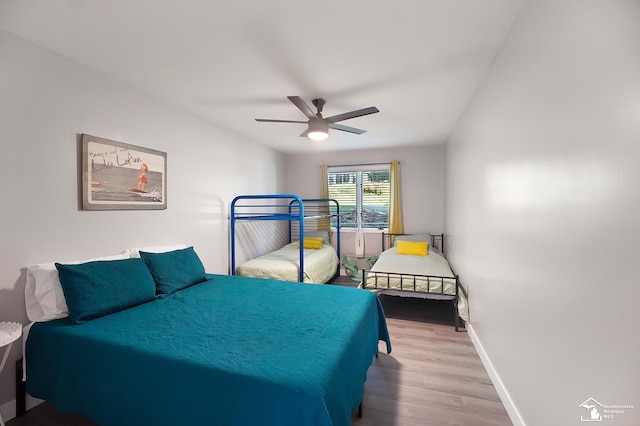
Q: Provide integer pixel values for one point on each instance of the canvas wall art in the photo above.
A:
(121, 176)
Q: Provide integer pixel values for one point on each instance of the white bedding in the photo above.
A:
(320, 265)
(434, 264)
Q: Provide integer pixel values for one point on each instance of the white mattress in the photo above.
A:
(403, 265)
(320, 265)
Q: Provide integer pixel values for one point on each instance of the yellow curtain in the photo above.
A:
(324, 224)
(395, 204)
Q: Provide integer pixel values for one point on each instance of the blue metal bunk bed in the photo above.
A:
(296, 211)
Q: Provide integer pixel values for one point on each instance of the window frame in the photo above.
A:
(359, 169)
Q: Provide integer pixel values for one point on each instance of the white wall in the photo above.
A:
(421, 176)
(45, 102)
(542, 206)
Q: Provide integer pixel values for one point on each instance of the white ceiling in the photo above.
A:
(231, 61)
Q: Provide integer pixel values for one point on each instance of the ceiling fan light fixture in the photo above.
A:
(318, 126)
(318, 130)
(318, 135)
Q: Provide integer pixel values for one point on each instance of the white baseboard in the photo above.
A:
(8, 410)
(503, 393)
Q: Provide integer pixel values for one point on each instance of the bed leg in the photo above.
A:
(455, 313)
(21, 390)
(360, 410)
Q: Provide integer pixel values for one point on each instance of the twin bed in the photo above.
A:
(320, 264)
(185, 347)
(411, 274)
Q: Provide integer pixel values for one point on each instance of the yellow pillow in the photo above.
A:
(419, 248)
(312, 243)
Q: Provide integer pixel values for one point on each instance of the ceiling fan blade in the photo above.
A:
(268, 120)
(305, 133)
(346, 129)
(352, 114)
(302, 106)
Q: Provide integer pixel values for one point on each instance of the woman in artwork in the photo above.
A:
(142, 177)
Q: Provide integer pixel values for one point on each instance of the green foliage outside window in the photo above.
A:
(363, 196)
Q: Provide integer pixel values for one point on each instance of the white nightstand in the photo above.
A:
(9, 333)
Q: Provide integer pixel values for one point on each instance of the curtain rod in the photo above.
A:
(361, 164)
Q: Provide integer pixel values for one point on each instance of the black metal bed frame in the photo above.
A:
(412, 279)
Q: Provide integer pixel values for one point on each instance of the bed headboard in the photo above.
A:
(435, 240)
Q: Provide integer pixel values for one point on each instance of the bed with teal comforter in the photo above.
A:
(227, 351)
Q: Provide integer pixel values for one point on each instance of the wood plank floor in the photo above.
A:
(433, 376)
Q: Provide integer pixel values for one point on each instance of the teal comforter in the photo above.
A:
(229, 351)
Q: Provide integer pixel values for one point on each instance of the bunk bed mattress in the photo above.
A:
(405, 266)
(231, 350)
(320, 265)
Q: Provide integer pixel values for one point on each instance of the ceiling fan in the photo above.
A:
(318, 126)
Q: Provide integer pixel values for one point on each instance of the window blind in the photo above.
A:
(363, 194)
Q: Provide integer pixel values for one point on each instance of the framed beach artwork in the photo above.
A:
(120, 176)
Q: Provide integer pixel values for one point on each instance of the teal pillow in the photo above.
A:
(174, 270)
(99, 288)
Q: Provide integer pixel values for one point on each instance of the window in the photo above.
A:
(363, 193)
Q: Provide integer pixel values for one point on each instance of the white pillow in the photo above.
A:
(135, 252)
(43, 294)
